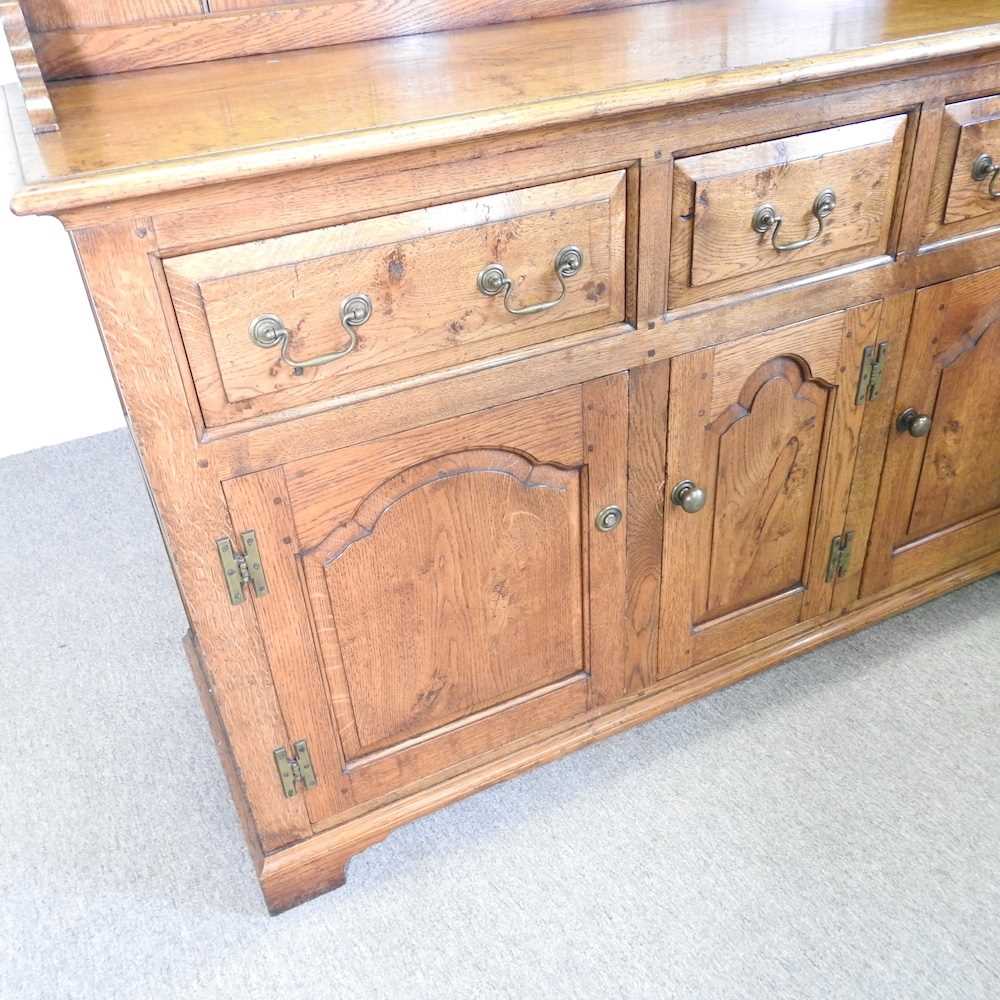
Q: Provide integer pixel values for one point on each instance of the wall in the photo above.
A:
(56, 386)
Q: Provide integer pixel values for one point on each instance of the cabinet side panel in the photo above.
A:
(116, 261)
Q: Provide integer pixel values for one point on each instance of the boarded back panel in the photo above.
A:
(54, 15)
(111, 42)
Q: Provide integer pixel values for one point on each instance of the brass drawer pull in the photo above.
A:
(268, 331)
(493, 280)
(985, 167)
(766, 218)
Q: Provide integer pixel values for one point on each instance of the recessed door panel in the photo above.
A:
(960, 473)
(769, 448)
(438, 585)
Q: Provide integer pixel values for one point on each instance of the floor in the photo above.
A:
(829, 829)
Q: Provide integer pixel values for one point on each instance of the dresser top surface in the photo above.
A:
(172, 128)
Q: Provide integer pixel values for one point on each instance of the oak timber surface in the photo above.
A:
(178, 127)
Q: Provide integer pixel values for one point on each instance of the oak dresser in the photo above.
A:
(507, 374)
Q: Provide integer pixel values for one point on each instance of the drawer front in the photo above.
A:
(756, 215)
(973, 191)
(293, 319)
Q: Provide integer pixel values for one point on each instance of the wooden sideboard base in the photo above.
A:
(427, 380)
(308, 869)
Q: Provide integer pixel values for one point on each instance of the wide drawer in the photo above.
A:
(756, 215)
(289, 320)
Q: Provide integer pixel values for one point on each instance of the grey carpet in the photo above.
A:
(829, 829)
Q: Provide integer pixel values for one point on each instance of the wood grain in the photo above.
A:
(961, 471)
(957, 205)
(861, 326)
(605, 440)
(893, 324)
(770, 443)
(685, 538)
(545, 426)
(439, 583)
(223, 748)
(320, 427)
(264, 205)
(654, 236)
(649, 389)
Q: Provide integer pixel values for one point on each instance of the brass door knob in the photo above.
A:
(915, 424)
(609, 518)
(689, 497)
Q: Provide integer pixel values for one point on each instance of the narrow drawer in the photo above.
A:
(974, 184)
(756, 215)
(284, 321)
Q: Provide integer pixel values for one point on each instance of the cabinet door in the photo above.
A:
(939, 500)
(442, 592)
(767, 429)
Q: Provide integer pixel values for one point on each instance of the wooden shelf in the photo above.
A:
(179, 127)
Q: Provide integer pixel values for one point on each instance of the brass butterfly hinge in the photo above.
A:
(295, 771)
(242, 569)
(870, 377)
(840, 556)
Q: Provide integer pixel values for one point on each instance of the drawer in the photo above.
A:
(756, 215)
(293, 319)
(966, 189)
